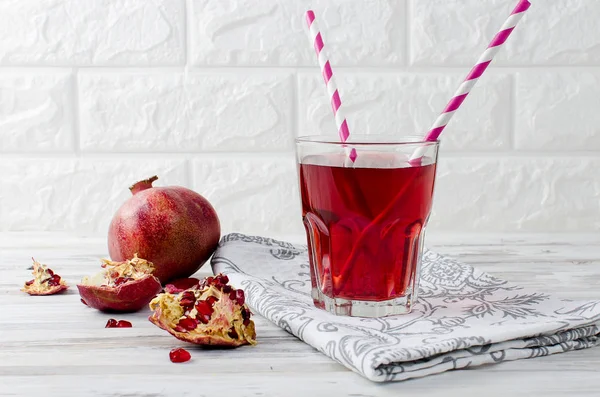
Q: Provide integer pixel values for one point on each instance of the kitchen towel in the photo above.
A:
(463, 317)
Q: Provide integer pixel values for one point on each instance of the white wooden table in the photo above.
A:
(55, 346)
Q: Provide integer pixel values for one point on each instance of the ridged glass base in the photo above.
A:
(355, 308)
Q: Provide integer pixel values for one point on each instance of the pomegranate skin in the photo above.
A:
(173, 227)
(126, 298)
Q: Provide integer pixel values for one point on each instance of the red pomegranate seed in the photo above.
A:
(179, 355)
(54, 280)
(123, 324)
(187, 303)
(187, 300)
(233, 333)
(204, 307)
(84, 302)
(210, 280)
(223, 279)
(50, 272)
(188, 295)
(111, 323)
(122, 280)
(211, 300)
(204, 319)
(187, 324)
(246, 315)
(239, 297)
(29, 282)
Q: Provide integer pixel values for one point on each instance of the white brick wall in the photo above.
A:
(209, 94)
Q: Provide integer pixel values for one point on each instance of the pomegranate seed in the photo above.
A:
(226, 289)
(54, 280)
(84, 302)
(50, 272)
(233, 333)
(187, 324)
(204, 307)
(122, 280)
(188, 295)
(210, 280)
(204, 318)
(187, 300)
(29, 282)
(111, 323)
(223, 279)
(211, 300)
(232, 295)
(246, 315)
(239, 297)
(179, 355)
(123, 324)
(187, 303)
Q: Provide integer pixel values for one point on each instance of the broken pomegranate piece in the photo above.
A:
(179, 355)
(44, 282)
(121, 287)
(210, 313)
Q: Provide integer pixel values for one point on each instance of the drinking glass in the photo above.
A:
(365, 208)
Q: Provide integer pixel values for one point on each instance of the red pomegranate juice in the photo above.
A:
(364, 227)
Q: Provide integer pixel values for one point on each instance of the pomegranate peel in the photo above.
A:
(205, 315)
(125, 286)
(181, 284)
(44, 282)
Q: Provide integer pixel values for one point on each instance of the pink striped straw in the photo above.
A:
(329, 78)
(475, 73)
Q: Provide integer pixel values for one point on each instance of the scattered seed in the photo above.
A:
(179, 355)
(123, 324)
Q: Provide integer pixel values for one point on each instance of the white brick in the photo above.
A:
(175, 112)
(557, 32)
(71, 195)
(558, 110)
(250, 32)
(36, 111)
(96, 32)
(543, 195)
(252, 195)
(408, 104)
(449, 32)
(455, 32)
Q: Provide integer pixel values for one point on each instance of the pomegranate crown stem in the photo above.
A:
(142, 185)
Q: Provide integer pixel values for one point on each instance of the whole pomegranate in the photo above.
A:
(173, 227)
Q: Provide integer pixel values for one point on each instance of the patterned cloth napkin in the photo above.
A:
(463, 317)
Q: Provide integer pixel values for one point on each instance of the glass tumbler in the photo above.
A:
(365, 207)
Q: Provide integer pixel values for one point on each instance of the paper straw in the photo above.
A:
(329, 78)
(474, 75)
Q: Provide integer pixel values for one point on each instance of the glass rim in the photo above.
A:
(367, 140)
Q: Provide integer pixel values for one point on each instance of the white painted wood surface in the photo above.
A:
(55, 346)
